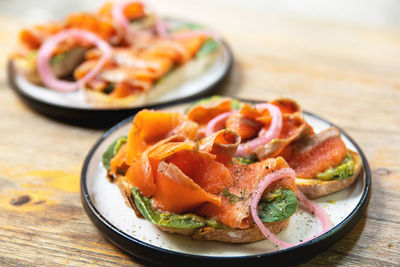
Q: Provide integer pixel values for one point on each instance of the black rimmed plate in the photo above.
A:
(199, 77)
(107, 209)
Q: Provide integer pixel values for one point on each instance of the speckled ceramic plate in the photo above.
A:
(106, 208)
(196, 78)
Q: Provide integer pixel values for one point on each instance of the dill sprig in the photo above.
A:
(197, 145)
(232, 198)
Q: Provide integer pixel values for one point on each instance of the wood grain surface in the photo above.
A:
(347, 72)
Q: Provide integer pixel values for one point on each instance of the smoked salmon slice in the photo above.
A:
(141, 174)
(245, 179)
(223, 144)
(177, 193)
(316, 153)
(248, 121)
(149, 127)
(204, 112)
(168, 170)
(177, 166)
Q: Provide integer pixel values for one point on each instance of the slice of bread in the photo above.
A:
(315, 188)
(252, 234)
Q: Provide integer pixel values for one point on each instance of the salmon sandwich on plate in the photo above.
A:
(227, 170)
(121, 55)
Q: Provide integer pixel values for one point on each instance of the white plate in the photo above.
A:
(109, 203)
(197, 77)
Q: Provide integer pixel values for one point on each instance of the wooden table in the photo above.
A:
(346, 72)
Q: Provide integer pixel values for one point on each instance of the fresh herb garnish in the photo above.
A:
(232, 198)
(252, 158)
(197, 146)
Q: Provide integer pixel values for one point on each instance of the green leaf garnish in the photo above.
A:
(280, 205)
(232, 198)
(209, 46)
(252, 158)
(110, 88)
(112, 150)
(143, 204)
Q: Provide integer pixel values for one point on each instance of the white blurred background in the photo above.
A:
(376, 13)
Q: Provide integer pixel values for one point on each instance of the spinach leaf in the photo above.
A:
(112, 150)
(209, 46)
(110, 88)
(186, 26)
(280, 205)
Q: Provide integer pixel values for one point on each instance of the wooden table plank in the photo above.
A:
(346, 72)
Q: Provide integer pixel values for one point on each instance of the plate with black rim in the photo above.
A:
(198, 77)
(107, 209)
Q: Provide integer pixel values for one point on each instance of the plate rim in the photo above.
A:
(63, 112)
(300, 252)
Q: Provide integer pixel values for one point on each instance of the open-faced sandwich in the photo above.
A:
(185, 177)
(120, 55)
(322, 163)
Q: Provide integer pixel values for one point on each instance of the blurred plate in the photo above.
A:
(198, 79)
(107, 209)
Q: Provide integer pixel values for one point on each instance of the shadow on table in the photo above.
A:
(232, 85)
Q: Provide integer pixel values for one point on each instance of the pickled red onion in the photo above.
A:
(264, 136)
(308, 205)
(46, 49)
(161, 28)
(218, 122)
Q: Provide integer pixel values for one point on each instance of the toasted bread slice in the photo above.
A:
(252, 234)
(314, 188)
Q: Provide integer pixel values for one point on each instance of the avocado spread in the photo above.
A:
(343, 171)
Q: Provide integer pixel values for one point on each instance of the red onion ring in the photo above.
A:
(161, 28)
(308, 206)
(44, 55)
(264, 136)
(218, 122)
